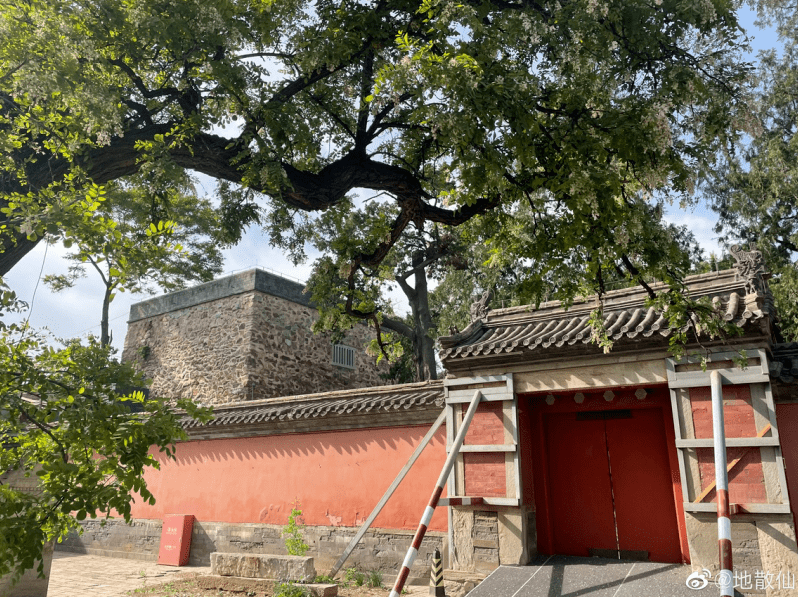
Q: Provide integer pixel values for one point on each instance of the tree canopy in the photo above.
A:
(441, 110)
(495, 252)
(755, 189)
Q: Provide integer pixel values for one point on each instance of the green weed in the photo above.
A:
(289, 589)
(375, 579)
(324, 579)
(353, 575)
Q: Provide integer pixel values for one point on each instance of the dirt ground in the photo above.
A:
(192, 585)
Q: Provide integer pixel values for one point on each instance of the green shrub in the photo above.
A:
(294, 542)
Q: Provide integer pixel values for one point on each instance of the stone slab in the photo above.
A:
(322, 590)
(276, 567)
(75, 575)
(78, 575)
(241, 584)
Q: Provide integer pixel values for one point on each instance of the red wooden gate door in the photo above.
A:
(642, 486)
(610, 488)
(580, 491)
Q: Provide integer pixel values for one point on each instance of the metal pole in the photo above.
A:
(389, 492)
(436, 495)
(725, 580)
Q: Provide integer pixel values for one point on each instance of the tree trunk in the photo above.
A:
(422, 318)
(418, 297)
(223, 159)
(105, 337)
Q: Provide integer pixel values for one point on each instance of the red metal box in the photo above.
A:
(176, 539)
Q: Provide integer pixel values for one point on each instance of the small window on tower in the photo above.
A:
(343, 356)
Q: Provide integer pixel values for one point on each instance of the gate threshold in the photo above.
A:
(569, 576)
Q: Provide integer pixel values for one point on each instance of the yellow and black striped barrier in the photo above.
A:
(436, 577)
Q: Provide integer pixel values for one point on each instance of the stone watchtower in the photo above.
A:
(243, 337)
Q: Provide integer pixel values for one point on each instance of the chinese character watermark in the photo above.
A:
(742, 579)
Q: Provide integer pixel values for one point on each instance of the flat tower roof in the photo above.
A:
(239, 283)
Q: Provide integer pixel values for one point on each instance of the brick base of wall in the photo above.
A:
(380, 549)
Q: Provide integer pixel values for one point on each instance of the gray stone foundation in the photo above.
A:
(760, 543)
(485, 539)
(380, 549)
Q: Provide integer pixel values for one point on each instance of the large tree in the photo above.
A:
(447, 109)
(755, 189)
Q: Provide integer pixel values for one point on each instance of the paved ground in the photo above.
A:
(77, 575)
(562, 576)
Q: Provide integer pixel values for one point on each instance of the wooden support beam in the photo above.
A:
(461, 501)
(729, 468)
(389, 492)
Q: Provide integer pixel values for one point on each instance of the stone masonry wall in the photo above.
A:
(30, 585)
(380, 549)
(201, 352)
(485, 538)
(289, 359)
(246, 345)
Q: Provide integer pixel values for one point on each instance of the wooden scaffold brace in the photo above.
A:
(434, 499)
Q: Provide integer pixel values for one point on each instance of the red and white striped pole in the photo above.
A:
(725, 579)
(436, 496)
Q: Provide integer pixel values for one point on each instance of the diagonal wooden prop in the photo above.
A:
(730, 466)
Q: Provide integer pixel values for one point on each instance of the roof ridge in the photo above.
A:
(372, 391)
(633, 292)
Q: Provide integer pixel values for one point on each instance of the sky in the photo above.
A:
(76, 312)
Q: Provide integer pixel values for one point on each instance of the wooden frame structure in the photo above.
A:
(494, 388)
(686, 374)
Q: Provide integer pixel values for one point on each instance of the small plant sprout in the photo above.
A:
(375, 579)
(292, 532)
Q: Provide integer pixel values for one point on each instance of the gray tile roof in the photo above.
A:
(528, 331)
(340, 404)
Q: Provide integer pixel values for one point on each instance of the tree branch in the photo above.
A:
(46, 430)
(636, 273)
(400, 327)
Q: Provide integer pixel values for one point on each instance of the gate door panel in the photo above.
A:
(642, 488)
(581, 496)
